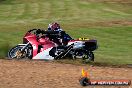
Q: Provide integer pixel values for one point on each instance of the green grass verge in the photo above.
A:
(4, 48)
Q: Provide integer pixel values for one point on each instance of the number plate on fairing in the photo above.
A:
(83, 39)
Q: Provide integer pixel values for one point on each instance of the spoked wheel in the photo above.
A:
(15, 53)
(88, 56)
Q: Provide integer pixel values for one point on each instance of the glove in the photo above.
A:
(39, 31)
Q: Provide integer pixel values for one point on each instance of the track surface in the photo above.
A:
(41, 74)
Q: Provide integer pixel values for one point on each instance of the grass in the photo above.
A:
(4, 49)
(108, 22)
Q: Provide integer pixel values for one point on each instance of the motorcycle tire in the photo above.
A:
(13, 51)
(88, 57)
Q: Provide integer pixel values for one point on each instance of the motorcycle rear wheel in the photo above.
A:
(88, 57)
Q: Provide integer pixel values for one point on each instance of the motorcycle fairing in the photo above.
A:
(32, 40)
(44, 55)
(77, 44)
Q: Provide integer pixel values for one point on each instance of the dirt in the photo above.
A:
(41, 74)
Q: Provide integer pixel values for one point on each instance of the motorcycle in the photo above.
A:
(40, 44)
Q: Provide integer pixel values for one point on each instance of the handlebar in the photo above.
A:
(39, 31)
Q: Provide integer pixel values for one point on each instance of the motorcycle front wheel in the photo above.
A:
(15, 52)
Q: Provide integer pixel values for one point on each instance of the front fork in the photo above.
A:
(22, 50)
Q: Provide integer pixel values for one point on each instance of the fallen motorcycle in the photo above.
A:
(40, 44)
